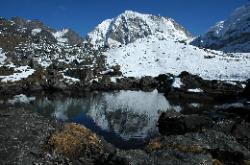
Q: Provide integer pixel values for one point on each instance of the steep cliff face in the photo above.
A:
(231, 35)
(130, 26)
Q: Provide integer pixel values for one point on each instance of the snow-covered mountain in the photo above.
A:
(231, 35)
(130, 26)
(139, 44)
(147, 45)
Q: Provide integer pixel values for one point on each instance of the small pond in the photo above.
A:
(126, 119)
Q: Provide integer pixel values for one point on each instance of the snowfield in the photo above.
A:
(152, 56)
(22, 72)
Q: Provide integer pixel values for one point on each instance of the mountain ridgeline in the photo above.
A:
(132, 44)
(231, 35)
(130, 26)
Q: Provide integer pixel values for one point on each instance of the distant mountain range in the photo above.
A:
(231, 35)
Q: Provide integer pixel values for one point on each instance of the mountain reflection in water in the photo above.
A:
(124, 118)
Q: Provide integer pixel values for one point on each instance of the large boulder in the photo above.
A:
(148, 83)
(181, 124)
(222, 147)
(241, 131)
(246, 92)
(195, 88)
(164, 83)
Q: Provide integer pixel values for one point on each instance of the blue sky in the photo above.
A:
(83, 15)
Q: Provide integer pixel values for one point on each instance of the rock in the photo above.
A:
(246, 92)
(23, 138)
(164, 83)
(148, 83)
(116, 70)
(214, 90)
(241, 131)
(84, 74)
(135, 157)
(242, 112)
(178, 157)
(105, 81)
(222, 147)
(128, 83)
(224, 125)
(164, 157)
(176, 125)
(190, 81)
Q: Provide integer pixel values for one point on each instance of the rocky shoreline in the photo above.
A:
(184, 86)
(220, 136)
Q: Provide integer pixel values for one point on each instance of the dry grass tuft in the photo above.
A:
(154, 144)
(75, 140)
(217, 162)
(246, 162)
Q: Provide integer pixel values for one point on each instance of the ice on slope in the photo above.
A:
(151, 57)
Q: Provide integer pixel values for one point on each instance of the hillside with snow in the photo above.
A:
(151, 57)
(230, 35)
(147, 45)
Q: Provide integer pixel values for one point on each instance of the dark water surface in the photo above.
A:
(126, 119)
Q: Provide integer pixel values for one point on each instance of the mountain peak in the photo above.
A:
(131, 14)
(231, 35)
(130, 26)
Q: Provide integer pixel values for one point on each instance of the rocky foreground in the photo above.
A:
(221, 136)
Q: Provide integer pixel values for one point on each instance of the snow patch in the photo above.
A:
(2, 57)
(197, 90)
(177, 83)
(71, 79)
(36, 31)
(60, 35)
(21, 72)
(21, 99)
